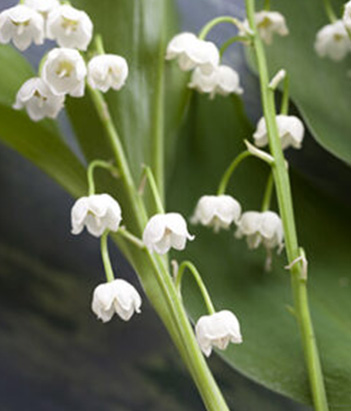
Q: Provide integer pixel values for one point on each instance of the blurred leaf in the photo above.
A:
(321, 88)
(38, 142)
(271, 352)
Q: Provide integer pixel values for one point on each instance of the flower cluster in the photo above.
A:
(203, 57)
(63, 70)
(333, 40)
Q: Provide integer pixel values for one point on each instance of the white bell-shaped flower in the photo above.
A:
(268, 23)
(346, 18)
(22, 25)
(98, 212)
(290, 128)
(166, 231)
(333, 41)
(217, 211)
(223, 80)
(70, 27)
(118, 297)
(192, 52)
(107, 71)
(36, 97)
(217, 330)
(64, 71)
(265, 227)
(42, 6)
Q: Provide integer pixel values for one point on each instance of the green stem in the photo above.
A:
(230, 170)
(154, 189)
(204, 292)
(330, 11)
(283, 190)
(267, 5)
(121, 160)
(90, 173)
(131, 238)
(284, 108)
(211, 24)
(231, 41)
(106, 257)
(99, 44)
(266, 203)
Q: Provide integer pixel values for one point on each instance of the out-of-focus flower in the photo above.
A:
(98, 212)
(70, 27)
(265, 228)
(192, 52)
(164, 231)
(346, 18)
(118, 297)
(64, 71)
(42, 6)
(217, 211)
(290, 128)
(333, 41)
(36, 97)
(107, 71)
(267, 23)
(223, 80)
(22, 25)
(217, 330)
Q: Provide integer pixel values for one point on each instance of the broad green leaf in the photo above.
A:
(38, 142)
(319, 87)
(271, 353)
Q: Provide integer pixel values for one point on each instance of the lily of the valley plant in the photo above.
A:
(77, 65)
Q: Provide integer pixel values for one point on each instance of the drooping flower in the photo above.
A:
(265, 228)
(98, 212)
(118, 297)
(22, 25)
(36, 97)
(217, 211)
(268, 23)
(166, 231)
(192, 52)
(223, 80)
(333, 41)
(64, 71)
(42, 6)
(70, 27)
(290, 128)
(217, 330)
(107, 71)
(346, 18)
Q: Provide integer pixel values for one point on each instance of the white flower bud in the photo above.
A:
(36, 97)
(223, 80)
(290, 128)
(64, 71)
(107, 71)
(265, 228)
(217, 211)
(192, 52)
(22, 25)
(333, 41)
(118, 297)
(217, 330)
(42, 6)
(70, 27)
(164, 231)
(346, 18)
(267, 23)
(98, 213)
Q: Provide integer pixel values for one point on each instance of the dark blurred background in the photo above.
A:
(54, 354)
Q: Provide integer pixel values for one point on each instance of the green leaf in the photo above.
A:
(319, 87)
(40, 142)
(271, 353)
